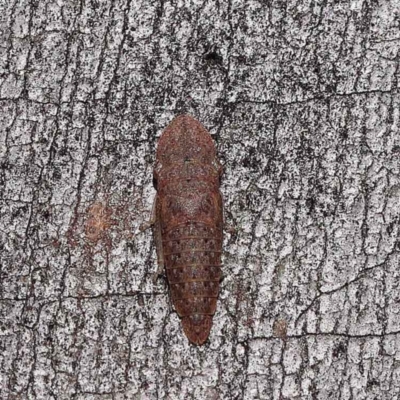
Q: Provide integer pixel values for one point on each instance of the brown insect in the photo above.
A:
(187, 221)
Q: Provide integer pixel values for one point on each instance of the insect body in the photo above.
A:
(188, 222)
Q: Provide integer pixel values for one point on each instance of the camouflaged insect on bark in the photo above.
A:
(188, 222)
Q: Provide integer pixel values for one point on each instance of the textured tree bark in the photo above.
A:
(302, 99)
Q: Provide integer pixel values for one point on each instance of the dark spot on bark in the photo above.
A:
(344, 134)
(310, 203)
(46, 214)
(372, 382)
(56, 174)
(396, 149)
(250, 160)
(62, 152)
(213, 58)
(339, 350)
(5, 166)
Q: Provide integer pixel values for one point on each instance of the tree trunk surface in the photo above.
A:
(303, 101)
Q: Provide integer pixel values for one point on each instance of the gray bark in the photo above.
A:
(303, 101)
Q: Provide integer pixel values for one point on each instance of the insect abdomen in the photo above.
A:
(193, 267)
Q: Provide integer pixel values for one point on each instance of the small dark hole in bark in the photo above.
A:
(213, 57)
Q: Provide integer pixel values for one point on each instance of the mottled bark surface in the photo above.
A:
(303, 101)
